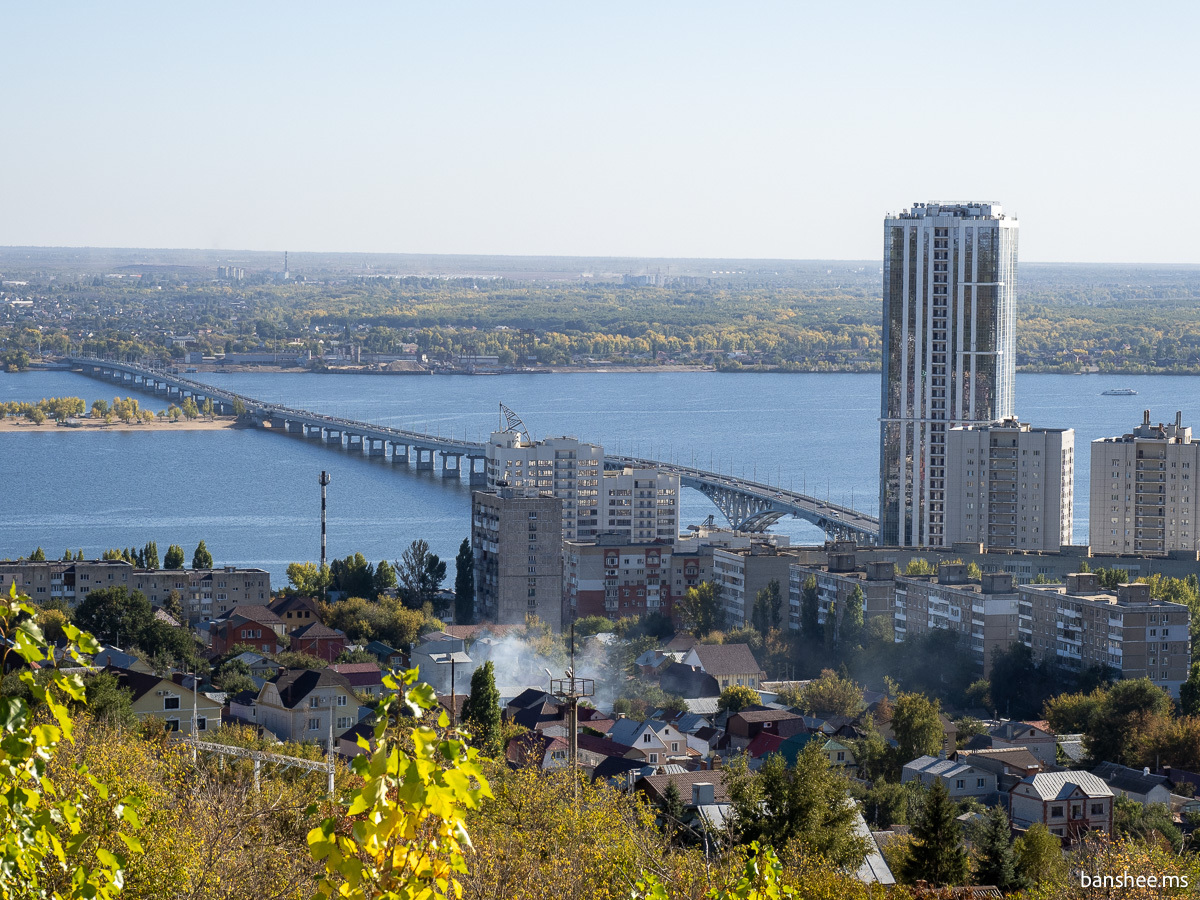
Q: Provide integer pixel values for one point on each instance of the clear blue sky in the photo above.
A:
(647, 129)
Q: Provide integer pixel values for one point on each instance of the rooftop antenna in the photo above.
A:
(514, 423)
(323, 480)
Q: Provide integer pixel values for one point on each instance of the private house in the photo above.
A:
(389, 657)
(835, 751)
(533, 748)
(689, 682)
(366, 678)
(652, 741)
(743, 727)
(436, 656)
(961, 779)
(1008, 764)
(166, 699)
(319, 641)
(254, 626)
(1136, 784)
(116, 658)
(1067, 803)
(729, 664)
(1035, 737)
(304, 704)
(295, 612)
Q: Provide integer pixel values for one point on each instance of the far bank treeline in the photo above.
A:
(1065, 324)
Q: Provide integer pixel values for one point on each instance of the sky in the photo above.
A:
(765, 130)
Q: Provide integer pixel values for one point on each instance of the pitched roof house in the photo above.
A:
(1136, 784)
(169, 700)
(367, 678)
(319, 641)
(729, 664)
(960, 778)
(255, 626)
(303, 704)
(1067, 803)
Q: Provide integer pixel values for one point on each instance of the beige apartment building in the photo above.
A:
(1081, 624)
(740, 573)
(561, 467)
(984, 614)
(204, 594)
(516, 535)
(1010, 486)
(641, 505)
(836, 581)
(1142, 497)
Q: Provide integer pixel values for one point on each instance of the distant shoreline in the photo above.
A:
(88, 425)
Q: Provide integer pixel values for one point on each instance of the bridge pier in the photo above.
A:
(478, 475)
(293, 427)
(332, 436)
(423, 464)
(313, 432)
(370, 448)
(451, 471)
(400, 453)
(354, 443)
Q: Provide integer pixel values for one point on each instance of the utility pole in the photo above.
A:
(571, 689)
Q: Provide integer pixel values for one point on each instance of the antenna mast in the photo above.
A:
(514, 423)
(572, 689)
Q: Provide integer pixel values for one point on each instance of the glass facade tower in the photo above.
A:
(949, 352)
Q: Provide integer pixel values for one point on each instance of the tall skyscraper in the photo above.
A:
(949, 328)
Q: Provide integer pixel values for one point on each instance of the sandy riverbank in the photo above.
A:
(11, 424)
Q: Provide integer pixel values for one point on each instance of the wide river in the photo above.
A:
(253, 496)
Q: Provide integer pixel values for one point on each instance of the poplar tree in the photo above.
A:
(481, 709)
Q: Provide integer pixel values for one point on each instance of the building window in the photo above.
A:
(170, 703)
(314, 701)
(201, 723)
(1056, 812)
(172, 725)
(646, 738)
(341, 700)
(960, 784)
(653, 757)
(314, 724)
(1097, 809)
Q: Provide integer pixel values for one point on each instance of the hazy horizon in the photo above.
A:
(672, 131)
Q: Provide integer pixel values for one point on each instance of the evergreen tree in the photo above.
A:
(174, 558)
(67, 556)
(810, 611)
(150, 555)
(672, 807)
(385, 578)
(37, 555)
(481, 709)
(202, 559)
(995, 861)
(1189, 693)
(464, 584)
(78, 556)
(937, 854)
(852, 619)
(768, 605)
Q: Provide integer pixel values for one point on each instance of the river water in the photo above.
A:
(253, 496)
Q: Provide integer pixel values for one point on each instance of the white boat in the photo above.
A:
(1119, 392)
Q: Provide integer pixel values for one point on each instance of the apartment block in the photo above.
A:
(1010, 486)
(640, 504)
(1142, 497)
(983, 614)
(516, 535)
(740, 573)
(836, 581)
(204, 593)
(562, 467)
(616, 577)
(1080, 624)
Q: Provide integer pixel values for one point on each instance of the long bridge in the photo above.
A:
(749, 506)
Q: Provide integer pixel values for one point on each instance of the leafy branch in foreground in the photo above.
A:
(401, 835)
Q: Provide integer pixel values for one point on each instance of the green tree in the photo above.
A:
(207, 408)
(737, 697)
(115, 614)
(804, 808)
(309, 579)
(831, 695)
(108, 701)
(768, 605)
(353, 575)
(1189, 692)
(202, 559)
(239, 408)
(150, 555)
(464, 584)
(37, 555)
(419, 574)
(852, 619)
(937, 854)
(699, 610)
(672, 807)
(1039, 856)
(189, 409)
(385, 578)
(174, 558)
(920, 566)
(42, 823)
(99, 409)
(995, 862)
(173, 606)
(1146, 823)
(917, 727)
(481, 709)
(1129, 709)
(1072, 713)
(810, 611)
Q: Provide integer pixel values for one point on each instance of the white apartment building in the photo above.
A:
(641, 504)
(1010, 486)
(562, 467)
(949, 328)
(1142, 497)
